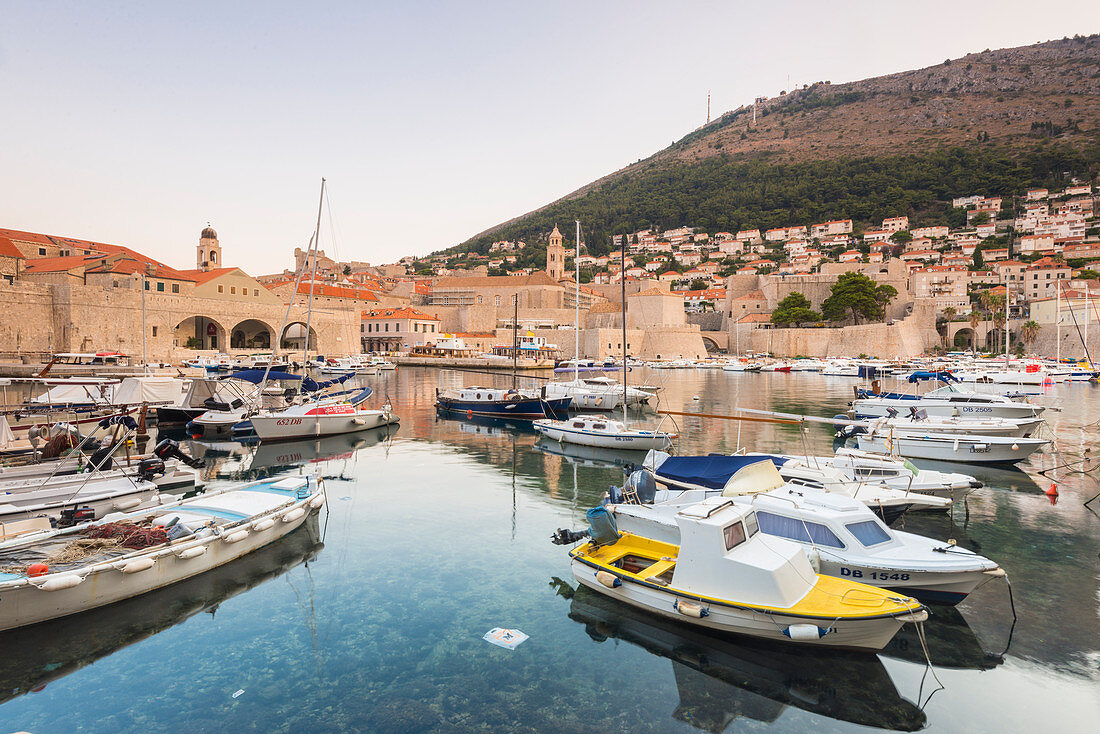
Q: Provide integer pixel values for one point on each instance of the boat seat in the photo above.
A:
(659, 568)
(22, 527)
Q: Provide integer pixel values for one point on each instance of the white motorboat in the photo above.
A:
(726, 575)
(589, 430)
(948, 400)
(918, 422)
(718, 474)
(861, 466)
(163, 545)
(321, 418)
(585, 397)
(841, 536)
(947, 447)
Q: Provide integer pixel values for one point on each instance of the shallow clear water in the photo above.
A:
(435, 533)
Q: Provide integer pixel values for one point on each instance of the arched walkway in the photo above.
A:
(711, 345)
(251, 334)
(200, 332)
(294, 337)
(964, 339)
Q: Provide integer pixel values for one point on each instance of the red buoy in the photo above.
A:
(1053, 491)
(37, 569)
(469, 414)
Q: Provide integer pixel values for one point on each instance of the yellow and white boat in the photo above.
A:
(726, 575)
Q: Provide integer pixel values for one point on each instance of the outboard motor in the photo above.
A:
(149, 469)
(892, 412)
(640, 488)
(73, 516)
(169, 449)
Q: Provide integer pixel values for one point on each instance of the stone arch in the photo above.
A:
(711, 345)
(294, 337)
(201, 332)
(251, 334)
(964, 338)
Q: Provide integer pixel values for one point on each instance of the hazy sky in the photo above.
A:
(136, 123)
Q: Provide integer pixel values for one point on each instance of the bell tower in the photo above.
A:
(555, 256)
(209, 252)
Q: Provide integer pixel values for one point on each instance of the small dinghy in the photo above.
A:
(46, 574)
(590, 430)
(726, 575)
(840, 536)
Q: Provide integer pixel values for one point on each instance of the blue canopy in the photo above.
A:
(711, 472)
(257, 376)
(311, 385)
(926, 375)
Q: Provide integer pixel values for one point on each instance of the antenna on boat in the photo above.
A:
(313, 274)
(622, 282)
(515, 337)
(577, 308)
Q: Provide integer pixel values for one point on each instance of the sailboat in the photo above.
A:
(588, 430)
(322, 415)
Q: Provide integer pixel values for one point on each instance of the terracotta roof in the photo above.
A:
(755, 318)
(398, 313)
(8, 249)
(205, 276)
(756, 295)
(651, 292)
(19, 236)
(56, 264)
(335, 291)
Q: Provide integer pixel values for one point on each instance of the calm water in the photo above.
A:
(372, 621)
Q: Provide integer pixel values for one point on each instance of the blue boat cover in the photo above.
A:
(257, 376)
(361, 396)
(311, 385)
(926, 375)
(711, 472)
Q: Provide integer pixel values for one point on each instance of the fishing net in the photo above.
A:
(128, 536)
(74, 551)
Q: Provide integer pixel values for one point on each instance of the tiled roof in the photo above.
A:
(8, 249)
(398, 313)
(57, 264)
(205, 276)
(539, 277)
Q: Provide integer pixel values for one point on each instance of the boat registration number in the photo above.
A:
(979, 449)
(975, 409)
(288, 421)
(856, 573)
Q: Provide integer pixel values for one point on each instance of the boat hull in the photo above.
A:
(287, 428)
(878, 408)
(633, 440)
(963, 449)
(856, 634)
(525, 409)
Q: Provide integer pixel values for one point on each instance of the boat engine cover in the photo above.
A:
(150, 468)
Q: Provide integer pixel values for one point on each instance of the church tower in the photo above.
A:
(209, 251)
(555, 256)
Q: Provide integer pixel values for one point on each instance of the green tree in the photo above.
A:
(794, 309)
(347, 270)
(1087, 274)
(855, 295)
(980, 218)
(950, 313)
(698, 285)
(979, 259)
(901, 237)
(1029, 331)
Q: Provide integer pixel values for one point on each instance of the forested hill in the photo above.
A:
(993, 122)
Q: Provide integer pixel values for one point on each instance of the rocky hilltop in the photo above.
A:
(996, 120)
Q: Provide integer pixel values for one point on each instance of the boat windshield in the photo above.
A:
(868, 532)
(797, 529)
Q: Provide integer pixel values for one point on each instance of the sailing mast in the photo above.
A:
(515, 339)
(622, 282)
(1058, 323)
(577, 308)
(313, 274)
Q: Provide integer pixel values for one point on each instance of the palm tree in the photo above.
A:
(975, 319)
(950, 313)
(1029, 331)
(999, 323)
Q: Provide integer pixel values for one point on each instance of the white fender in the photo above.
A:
(317, 501)
(126, 504)
(293, 515)
(57, 583)
(261, 525)
(138, 564)
(608, 579)
(690, 609)
(359, 421)
(803, 632)
(236, 537)
(193, 552)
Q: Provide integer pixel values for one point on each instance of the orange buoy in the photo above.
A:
(469, 414)
(1053, 491)
(37, 569)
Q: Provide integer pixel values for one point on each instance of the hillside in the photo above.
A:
(995, 121)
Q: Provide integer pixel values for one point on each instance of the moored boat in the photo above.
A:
(589, 430)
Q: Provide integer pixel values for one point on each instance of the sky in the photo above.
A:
(136, 123)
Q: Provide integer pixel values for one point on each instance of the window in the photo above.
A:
(751, 525)
(175, 287)
(221, 289)
(496, 300)
(154, 331)
(798, 530)
(735, 535)
(433, 328)
(146, 285)
(387, 327)
(233, 290)
(256, 291)
(160, 286)
(868, 532)
(42, 251)
(480, 299)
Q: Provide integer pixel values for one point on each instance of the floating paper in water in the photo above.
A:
(510, 639)
(238, 693)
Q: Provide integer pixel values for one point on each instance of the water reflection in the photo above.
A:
(723, 678)
(590, 456)
(950, 640)
(35, 656)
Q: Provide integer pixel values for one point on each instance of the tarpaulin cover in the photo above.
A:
(926, 375)
(711, 472)
(311, 385)
(257, 376)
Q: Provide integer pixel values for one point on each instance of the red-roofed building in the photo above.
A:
(11, 260)
(397, 329)
(709, 299)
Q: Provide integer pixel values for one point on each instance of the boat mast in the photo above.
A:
(577, 308)
(1007, 299)
(313, 274)
(622, 283)
(515, 338)
(1058, 322)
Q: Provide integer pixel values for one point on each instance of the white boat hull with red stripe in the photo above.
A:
(318, 419)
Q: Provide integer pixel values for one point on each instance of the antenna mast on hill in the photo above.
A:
(708, 106)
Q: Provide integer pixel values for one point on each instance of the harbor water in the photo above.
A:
(436, 531)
